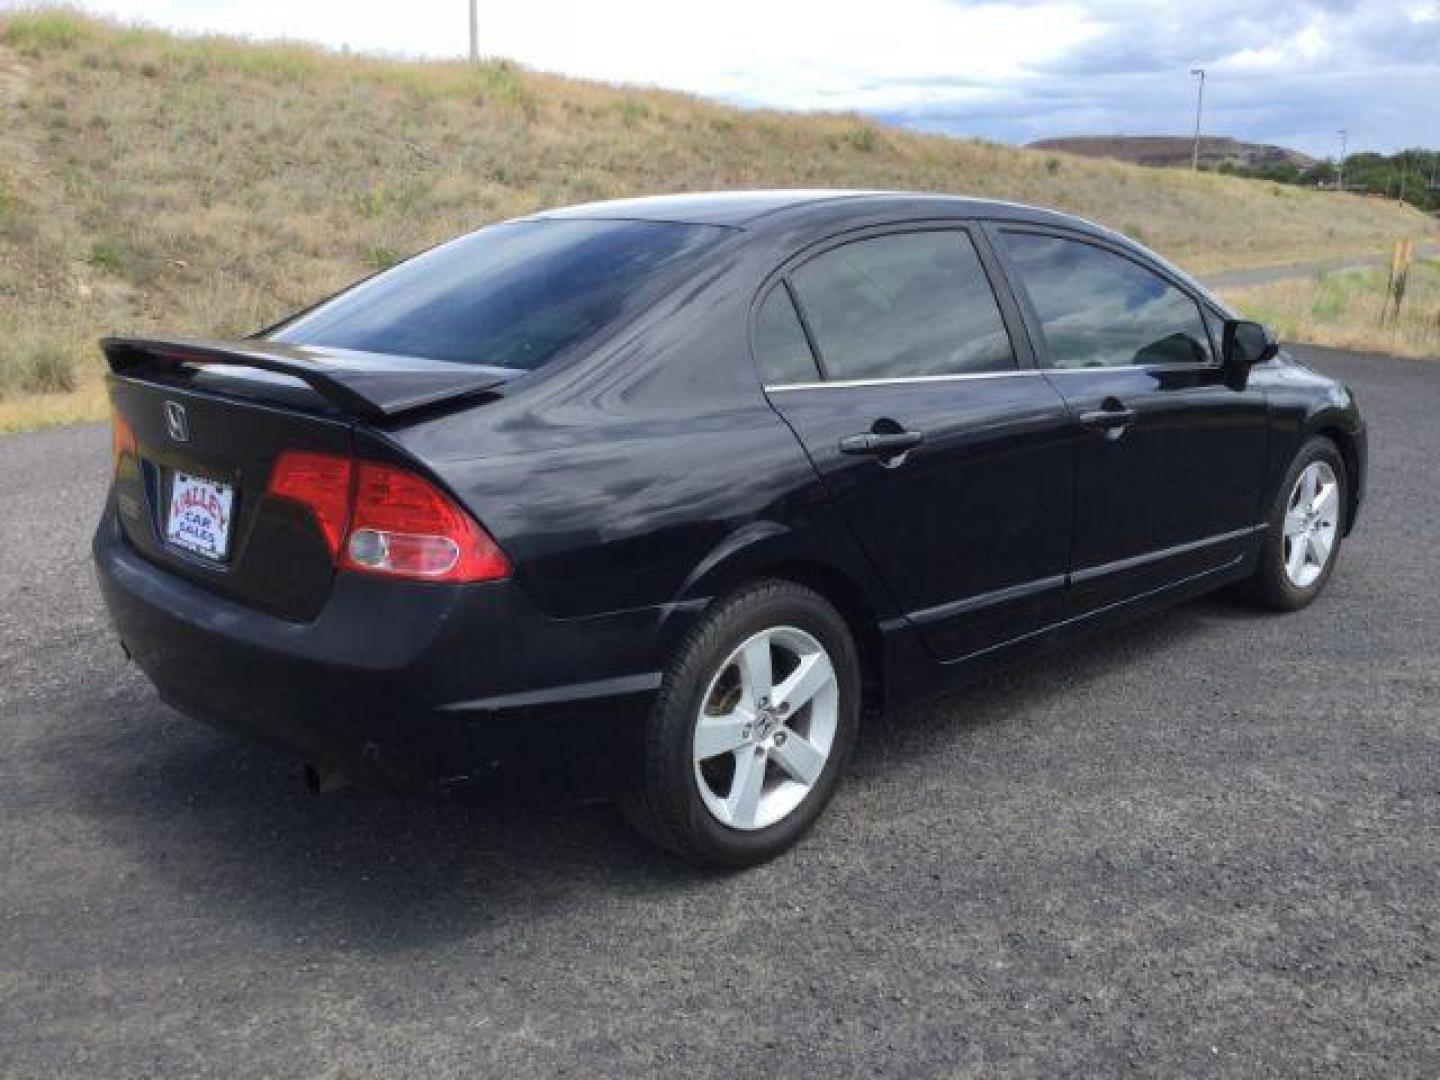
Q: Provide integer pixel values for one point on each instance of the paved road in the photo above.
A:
(1206, 846)
(1268, 275)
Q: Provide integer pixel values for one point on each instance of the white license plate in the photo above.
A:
(199, 518)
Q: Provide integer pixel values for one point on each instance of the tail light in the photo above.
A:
(320, 482)
(381, 519)
(122, 438)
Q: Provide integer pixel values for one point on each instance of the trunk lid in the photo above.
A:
(210, 419)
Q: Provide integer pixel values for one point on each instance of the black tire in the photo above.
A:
(1271, 587)
(668, 807)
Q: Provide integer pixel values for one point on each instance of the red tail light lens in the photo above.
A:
(381, 519)
(320, 482)
(122, 438)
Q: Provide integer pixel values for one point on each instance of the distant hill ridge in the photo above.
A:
(1172, 151)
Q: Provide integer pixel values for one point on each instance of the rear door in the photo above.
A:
(1170, 460)
(895, 361)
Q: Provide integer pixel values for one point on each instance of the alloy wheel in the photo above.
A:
(765, 729)
(1312, 520)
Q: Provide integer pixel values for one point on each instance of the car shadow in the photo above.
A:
(229, 827)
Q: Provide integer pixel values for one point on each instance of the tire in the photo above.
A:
(1276, 585)
(698, 796)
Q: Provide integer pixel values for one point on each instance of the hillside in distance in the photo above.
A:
(200, 185)
(1169, 151)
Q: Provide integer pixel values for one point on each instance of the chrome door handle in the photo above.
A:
(881, 444)
(1108, 418)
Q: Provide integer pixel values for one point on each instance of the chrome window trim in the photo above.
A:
(969, 376)
(842, 384)
(1212, 366)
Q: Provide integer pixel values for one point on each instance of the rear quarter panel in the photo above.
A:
(655, 475)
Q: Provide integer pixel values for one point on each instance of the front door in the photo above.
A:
(1170, 461)
(949, 461)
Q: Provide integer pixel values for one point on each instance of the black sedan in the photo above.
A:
(657, 499)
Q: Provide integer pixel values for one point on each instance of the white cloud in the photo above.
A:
(810, 54)
(1284, 70)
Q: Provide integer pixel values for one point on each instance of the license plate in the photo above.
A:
(199, 518)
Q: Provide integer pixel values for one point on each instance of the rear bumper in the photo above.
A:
(401, 685)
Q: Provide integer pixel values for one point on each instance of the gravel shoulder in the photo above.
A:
(1268, 275)
(1206, 845)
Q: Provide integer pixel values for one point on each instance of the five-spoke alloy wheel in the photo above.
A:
(1312, 521)
(1305, 529)
(765, 728)
(752, 727)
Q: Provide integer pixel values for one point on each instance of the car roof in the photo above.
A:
(754, 209)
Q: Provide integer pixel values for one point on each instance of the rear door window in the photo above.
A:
(905, 305)
(781, 349)
(513, 295)
(1099, 309)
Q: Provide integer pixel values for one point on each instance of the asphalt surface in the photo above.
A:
(1268, 275)
(1205, 846)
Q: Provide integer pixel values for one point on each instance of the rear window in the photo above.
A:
(512, 295)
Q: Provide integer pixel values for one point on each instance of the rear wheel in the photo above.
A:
(1306, 526)
(752, 728)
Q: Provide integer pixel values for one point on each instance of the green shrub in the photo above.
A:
(504, 83)
(36, 30)
(865, 139)
(1333, 294)
(46, 367)
(107, 255)
(631, 111)
(381, 257)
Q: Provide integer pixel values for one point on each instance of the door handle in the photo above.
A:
(1112, 416)
(881, 444)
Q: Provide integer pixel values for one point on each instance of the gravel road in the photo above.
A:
(1268, 275)
(1205, 846)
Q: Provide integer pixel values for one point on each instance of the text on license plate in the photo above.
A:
(199, 518)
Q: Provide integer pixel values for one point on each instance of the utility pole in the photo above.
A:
(1199, 107)
(474, 33)
(1344, 142)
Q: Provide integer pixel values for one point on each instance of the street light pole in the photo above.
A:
(1199, 107)
(474, 33)
(1344, 140)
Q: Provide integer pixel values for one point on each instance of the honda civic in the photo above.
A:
(658, 499)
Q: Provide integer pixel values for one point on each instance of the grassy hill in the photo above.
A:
(205, 185)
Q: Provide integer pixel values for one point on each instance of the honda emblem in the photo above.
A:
(175, 422)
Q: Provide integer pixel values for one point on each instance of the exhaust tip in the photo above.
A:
(321, 781)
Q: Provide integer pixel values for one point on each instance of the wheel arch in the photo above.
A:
(769, 550)
(1350, 455)
(855, 608)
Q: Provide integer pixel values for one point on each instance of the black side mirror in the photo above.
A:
(1247, 344)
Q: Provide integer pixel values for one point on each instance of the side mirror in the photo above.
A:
(1247, 344)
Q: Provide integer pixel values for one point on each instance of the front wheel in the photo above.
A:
(1306, 526)
(752, 728)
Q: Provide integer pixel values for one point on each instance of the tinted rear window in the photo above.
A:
(901, 306)
(512, 295)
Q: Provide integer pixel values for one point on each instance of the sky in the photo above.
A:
(1291, 72)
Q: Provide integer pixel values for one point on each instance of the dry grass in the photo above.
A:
(1344, 309)
(204, 185)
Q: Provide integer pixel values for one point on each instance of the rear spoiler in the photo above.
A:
(369, 386)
